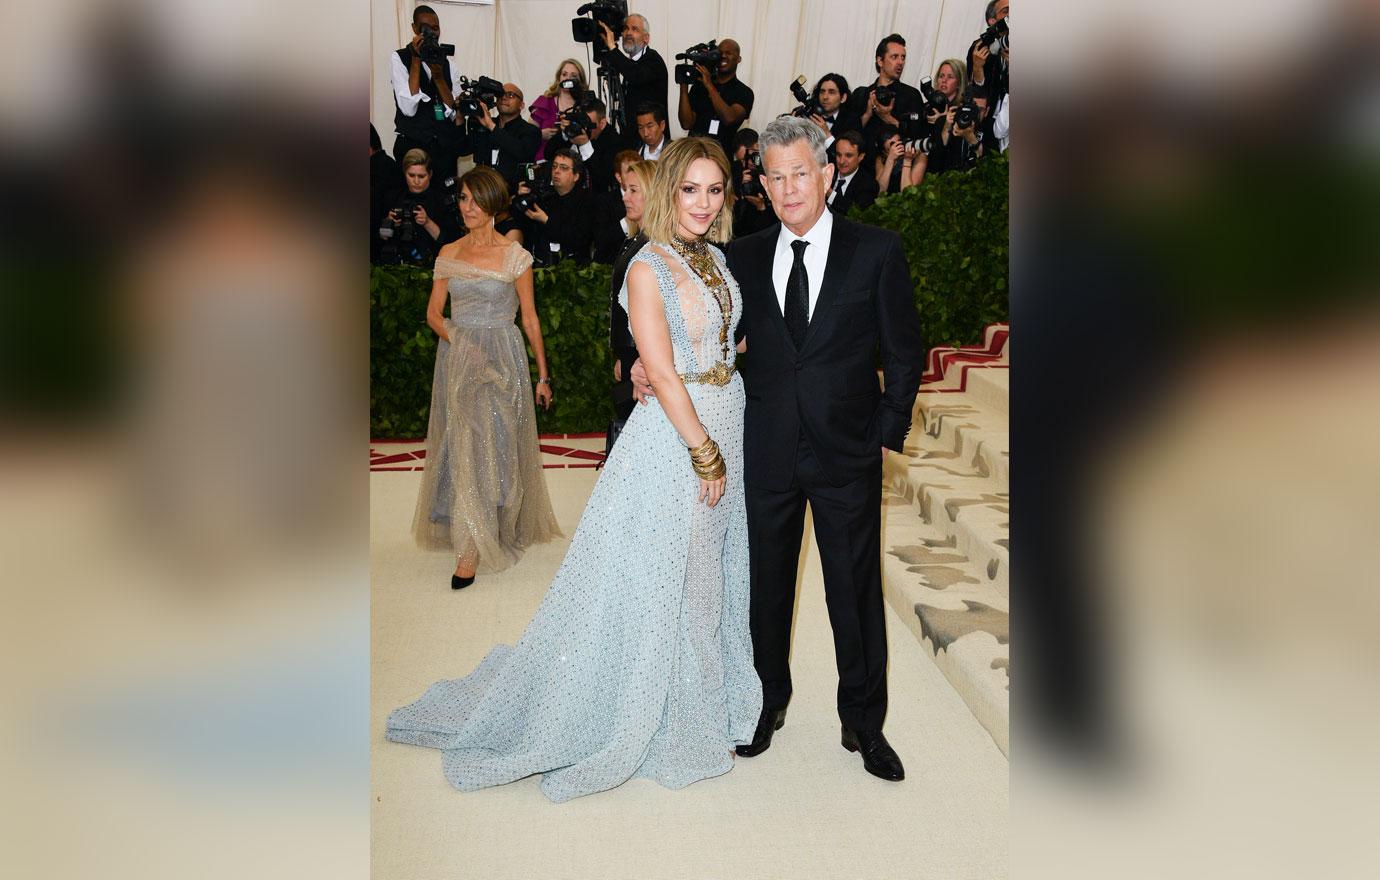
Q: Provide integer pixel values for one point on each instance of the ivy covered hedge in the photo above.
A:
(956, 235)
(573, 302)
(954, 228)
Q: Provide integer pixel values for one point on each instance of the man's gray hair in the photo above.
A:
(647, 25)
(786, 130)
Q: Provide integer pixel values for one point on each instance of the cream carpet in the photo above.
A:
(803, 809)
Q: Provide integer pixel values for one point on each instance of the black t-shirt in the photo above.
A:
(735, 91)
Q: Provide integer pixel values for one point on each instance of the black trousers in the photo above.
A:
(848, 533)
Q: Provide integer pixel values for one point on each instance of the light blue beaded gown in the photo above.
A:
(639, 660)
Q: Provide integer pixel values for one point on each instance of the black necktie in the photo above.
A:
(798, 295)
(842, 184)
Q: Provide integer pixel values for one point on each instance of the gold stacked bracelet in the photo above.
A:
(707, 460)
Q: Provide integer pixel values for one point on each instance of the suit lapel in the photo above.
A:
(762, 261)
(842, 244)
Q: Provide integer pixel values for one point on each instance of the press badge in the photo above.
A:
(494, 159)
(713, 126)
(555, 247)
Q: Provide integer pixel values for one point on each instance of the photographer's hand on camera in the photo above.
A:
(537, 214)
(981, 53)
(485, 117)
(819, 120)
(607, 34)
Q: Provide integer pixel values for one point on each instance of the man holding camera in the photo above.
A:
(719, 103)
(887, 100)
(830, 95)
(641, 67)
(508, 143)
(423, 76)
(989, 71)
(561, 227)
(596, 144)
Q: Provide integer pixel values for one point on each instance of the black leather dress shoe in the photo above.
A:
(879, 758)
(769, 723)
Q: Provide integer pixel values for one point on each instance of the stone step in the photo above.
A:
(955, 612)
(991, 387)
(964, 510)
(948, 426)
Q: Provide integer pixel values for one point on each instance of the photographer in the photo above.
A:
(651, 131)
(851, 185)
(831, 96)
(899, 164)
(719, 103)
(611, 226)
(385, 177)
(419, 220)
(641, 68)
(507, 143)
(887, 100)
(752, 209)
(594, 140)
(564, 93)
(992, 71)
(561, 228)
(423, 77)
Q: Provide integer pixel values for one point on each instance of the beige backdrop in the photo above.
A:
(522, 41)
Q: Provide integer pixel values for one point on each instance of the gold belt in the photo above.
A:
(720, 374)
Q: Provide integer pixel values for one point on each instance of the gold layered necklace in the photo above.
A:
(696, 255)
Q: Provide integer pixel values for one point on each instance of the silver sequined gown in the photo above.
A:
(483, 488)
(639, 660)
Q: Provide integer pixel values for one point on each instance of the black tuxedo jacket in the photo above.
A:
(862, 190)
(826, 392)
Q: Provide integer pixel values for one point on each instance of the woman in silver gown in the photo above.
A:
(639, 660)
(483, 494)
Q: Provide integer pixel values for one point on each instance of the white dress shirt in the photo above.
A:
(816, 257)
(402, 92)
(843, 184)
(652, 155)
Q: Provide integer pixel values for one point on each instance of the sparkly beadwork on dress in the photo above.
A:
(695, 253)
(483, 490)
(639, 660)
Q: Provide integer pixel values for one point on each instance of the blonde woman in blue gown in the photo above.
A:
(639, 661)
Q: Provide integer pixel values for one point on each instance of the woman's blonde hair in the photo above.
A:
(960, 73)
(556, 83)
(416, 156)
(645, 169)
(659, 219)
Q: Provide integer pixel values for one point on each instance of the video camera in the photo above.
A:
(469, 93)
(809, 106)
(998, 36)
(432, 50)
(574, 121)
(613, 13)
(538, 180)
(707, 54)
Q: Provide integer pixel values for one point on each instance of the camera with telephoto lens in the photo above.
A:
(968, 113)
(808, 106)
(933, 96)
(574, 121)
(752, 169)
(613, 13)
(707, 54)
(538, 180)
(432, 50)
(469, 93)
(998, 36)
(405, 242)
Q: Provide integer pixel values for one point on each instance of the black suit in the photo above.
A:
(516, 142)
(813, 429)
(621, 341)
(643, 80)
(862, 191)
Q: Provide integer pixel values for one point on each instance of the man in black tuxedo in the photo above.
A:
(831, 94)
(853, 184)
(820, 295)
